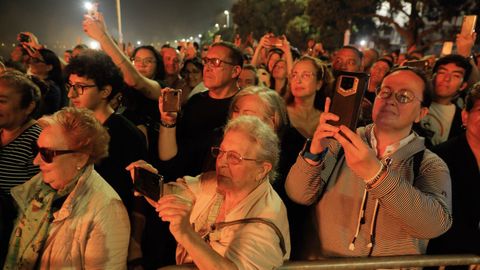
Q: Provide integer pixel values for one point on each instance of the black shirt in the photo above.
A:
(127, 144)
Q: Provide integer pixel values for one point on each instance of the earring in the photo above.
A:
(78, 168)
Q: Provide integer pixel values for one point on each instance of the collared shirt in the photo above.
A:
(392, 148)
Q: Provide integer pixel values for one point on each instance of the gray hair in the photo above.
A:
(274, 105)
(83, 132)
(261, 134)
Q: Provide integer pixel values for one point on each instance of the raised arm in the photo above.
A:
(258, 54)
(96, 29)
(464, 48)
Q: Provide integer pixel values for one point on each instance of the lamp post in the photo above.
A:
(227, 15)
(119, 22)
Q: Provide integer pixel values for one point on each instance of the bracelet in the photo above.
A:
(370, 183)
(166, 125)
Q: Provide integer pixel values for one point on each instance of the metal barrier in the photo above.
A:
(370, 262)
(383, 262)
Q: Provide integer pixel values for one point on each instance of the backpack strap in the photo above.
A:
(417, 162)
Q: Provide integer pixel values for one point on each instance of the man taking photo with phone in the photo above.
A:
(377, 192)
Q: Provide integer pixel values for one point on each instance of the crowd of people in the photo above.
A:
(256, 171)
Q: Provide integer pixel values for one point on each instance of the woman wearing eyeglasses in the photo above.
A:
(144, 73)
(69, 217)
(231, 218)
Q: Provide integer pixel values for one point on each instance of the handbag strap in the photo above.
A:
(221, 225)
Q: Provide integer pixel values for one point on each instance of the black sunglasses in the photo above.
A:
(47, 154)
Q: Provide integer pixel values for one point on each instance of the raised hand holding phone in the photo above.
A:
(324, 130)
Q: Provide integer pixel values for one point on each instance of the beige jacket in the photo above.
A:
(90, 231)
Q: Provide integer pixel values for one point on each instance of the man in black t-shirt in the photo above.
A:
(203, 113)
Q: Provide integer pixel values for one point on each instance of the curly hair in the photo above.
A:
(99, 67)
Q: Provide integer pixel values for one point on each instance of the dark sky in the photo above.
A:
(146, 20)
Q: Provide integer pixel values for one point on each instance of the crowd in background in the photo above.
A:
(266, 175)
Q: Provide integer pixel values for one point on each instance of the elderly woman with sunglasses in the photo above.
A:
(231, 218)
(69, 217)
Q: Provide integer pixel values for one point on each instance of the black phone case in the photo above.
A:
(148, 184)
(347, 99)
(171, 101)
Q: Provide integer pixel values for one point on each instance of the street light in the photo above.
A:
(227, 14)
(217, 26)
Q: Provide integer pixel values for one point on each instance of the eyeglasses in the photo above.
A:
(215, 62)
(78, 88)
(233, 157)
(144, 61)
(307, 75)
(403, 96)
(47, 154)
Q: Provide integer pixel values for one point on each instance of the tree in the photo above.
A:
(261, 17)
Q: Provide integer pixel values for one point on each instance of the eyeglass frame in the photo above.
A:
(397, 95)
(47, 154)
(206, 61)
(222, 152)
(70, 86)
(302, 75)
(151, 61)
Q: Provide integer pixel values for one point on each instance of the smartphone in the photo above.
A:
(23, 38)
(347, 98)
(468, 24)
(148, 184)
(276, 41)
(447, 48)
(172, 100)
(93, 10)
(420, 64)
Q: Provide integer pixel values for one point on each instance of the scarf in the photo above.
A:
(32, 227)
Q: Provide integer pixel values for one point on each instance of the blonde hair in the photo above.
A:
(274, 105)
(83, 132)
(262, 135)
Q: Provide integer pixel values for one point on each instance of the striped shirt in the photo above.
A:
(16, 160)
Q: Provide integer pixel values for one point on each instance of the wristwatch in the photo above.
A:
(314, 157)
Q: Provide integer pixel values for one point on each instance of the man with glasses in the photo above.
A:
(183, 148)
(93, 80)
(377, 191)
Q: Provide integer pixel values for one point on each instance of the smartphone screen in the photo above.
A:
(468, 25)
(148, 184)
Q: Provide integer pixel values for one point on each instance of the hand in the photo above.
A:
(176, 209)
(285, 44)
(166, 117)
(465, 44)
(324, 130)
(238, 41)
(361, 159)
(140, 164)
(95, 27)
(32, 41)
(265, 41)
